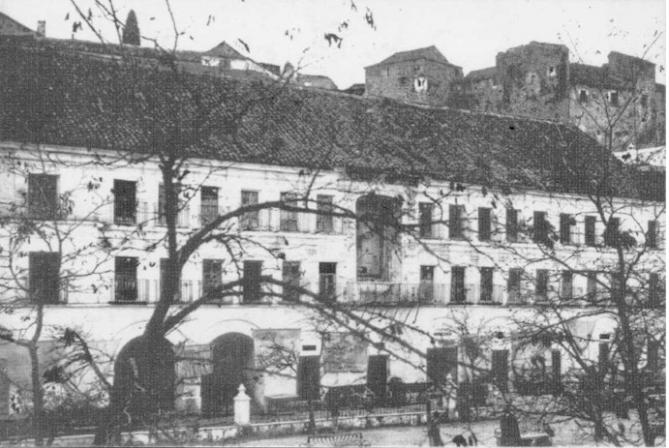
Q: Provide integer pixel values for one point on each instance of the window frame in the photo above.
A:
(209, 200)
(288, 219)
(425, 216)
(511, 225)
(130, 275)
(324, 219)
(590, 231)
(456, 220)
(44, 280)
(485, 223)
(125, 210)
(249, 221)
(43, 204)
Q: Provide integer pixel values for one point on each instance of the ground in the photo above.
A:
(407, 436)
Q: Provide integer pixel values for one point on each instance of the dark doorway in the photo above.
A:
(144, 378)
(232, 356)
(377, 376)
(309, 377)
(252, 274)
(440, 363)
(500, 369)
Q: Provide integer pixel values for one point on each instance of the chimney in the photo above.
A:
(41, 28)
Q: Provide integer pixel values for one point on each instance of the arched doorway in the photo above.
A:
(232, 358)
(144, 377)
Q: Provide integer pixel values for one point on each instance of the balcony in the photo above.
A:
(272, 220)
(143, 290)
(387, 293)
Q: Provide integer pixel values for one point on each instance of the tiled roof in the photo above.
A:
(11, 27)
(430, 53)
(68, 99)
(224, 50)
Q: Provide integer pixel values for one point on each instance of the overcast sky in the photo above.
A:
(468, 32)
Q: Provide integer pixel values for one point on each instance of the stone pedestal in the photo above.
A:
(242, 407)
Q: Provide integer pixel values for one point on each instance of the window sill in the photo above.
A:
(127, 302)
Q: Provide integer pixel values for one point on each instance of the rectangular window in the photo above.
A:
(644, 100)
(249, 220)
(44, 277)
(212, 273)
(486, 284)
(616, 284)
(162, 218)
(591, 285)
(324, 218)
(511, 225)
(513, 285)
(651, 234)
(42, 196)
(541, 288)
(566, 221)
(612, 232)
(425, 210)
(653, 289)
(540, 234)
(291, 275)
(455, 221)
(251, 281)
(165, 273)
(613, 98)
(125, 279)
(181, 215)
(426, 286)
(125, 202)
(484, 224)
(566, 285)
(583, 96)
(327, 281)
(288, 218)
(590, 236)
(208, 204)
(458, 284)
(500, 369)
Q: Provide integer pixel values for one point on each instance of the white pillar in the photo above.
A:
(242, 407)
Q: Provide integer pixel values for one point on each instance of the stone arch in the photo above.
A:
(144, 377)
(232, 365)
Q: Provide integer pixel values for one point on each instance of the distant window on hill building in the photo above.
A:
(583, 96)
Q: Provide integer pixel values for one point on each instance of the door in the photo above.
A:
(309, 377)
(442, 362)
(252, 274)
(426, 286)
(232, 356)
(500, 369)
(377, 376)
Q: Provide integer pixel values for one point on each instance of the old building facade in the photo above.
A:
(460, 233)
(421, 76)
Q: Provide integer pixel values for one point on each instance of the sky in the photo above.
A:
(468, 32)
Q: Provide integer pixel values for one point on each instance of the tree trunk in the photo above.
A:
(38, 396)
